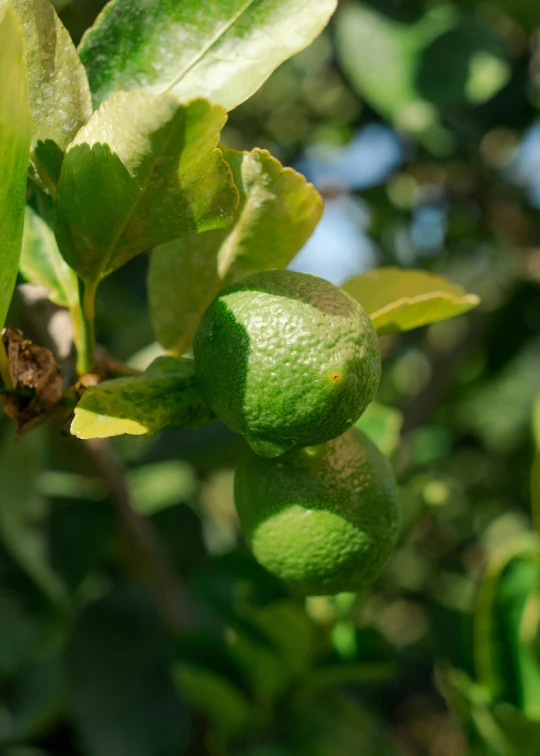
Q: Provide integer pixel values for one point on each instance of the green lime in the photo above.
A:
(287, 359)
(324, 519)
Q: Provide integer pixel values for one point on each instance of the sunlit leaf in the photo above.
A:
(166, 396)
(59, 91)
(42, 263)
(220, 50)
(277, 214)
(144, 170)
(15, 135)
(399, 300)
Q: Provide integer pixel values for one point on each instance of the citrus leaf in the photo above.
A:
(144, 170)
(523, 11)
(60, 97)
(400, 300)
(42, 263)
(158, 486)
(381, 57)
(277, 214)
(21, 508)
(118, 663)
(535, 488)
(536, 422)
(223, 52)
(383, 425)
(223, 703)
(15, 135)
(166, 396)
(408, 65)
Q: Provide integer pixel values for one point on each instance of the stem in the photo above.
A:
(4, 366)
(89, 299)
(535, 493)
(143, 535)
(482, 647)
(84, 331)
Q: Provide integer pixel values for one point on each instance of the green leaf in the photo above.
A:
(122, 695)
(21, 509)
(536, 422)
(156, 487)
(15, 135)
(522, 733)
(410, 66)
(166, 396)
(36, 703)
(144, 170)
(24, 638)
(473, 703)
(523, 11)
(514, 625)
(223, 52)
(383, 425)
(42, 263)
(221, 701)
(59, 91)
(381, 57)
(535, 489)
(399, 300)
(277, 214)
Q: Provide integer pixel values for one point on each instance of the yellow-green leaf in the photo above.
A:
(15, 136)
(400, 300)
(42, 263)
(277, 214)
(166, 396)
(59, 91)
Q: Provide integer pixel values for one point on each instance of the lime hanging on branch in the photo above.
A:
(324, 519)
(287, 360)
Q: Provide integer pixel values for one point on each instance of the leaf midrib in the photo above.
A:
(103, 269)
(206, 48)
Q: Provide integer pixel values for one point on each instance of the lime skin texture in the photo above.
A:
(324, 519)
(286, 359)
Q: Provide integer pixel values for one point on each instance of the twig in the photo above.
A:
(4, 366)
(142, 533)
(421, 409)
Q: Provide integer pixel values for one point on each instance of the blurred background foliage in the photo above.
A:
(418, 121)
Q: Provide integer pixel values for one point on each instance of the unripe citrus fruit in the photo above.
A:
(286, 359)
(324, 519)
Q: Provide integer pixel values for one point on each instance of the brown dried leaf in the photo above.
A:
(37, 379)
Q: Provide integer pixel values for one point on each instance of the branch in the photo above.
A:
(143, 536)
